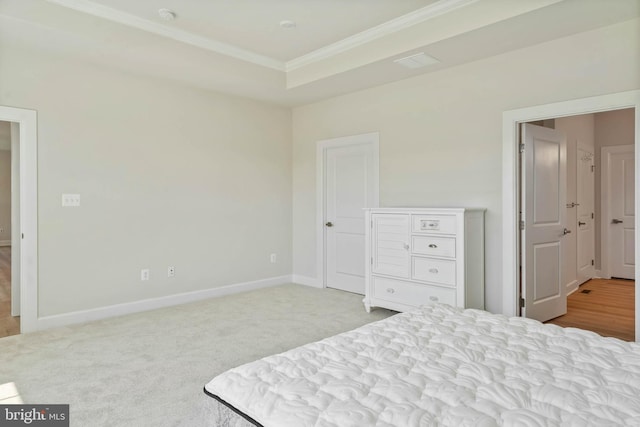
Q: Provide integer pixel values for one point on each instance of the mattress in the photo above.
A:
(218, 413)
(445, 366)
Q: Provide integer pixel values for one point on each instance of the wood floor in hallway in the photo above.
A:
(608, 308)
(9, 325)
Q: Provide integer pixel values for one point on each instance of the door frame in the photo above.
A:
(605, 203)
(28, 141)
(510, 181)
(372, 139)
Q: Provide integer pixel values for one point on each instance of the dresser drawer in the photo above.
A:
(434, 270)
(413, 294)
(432, 245)
(437, 224)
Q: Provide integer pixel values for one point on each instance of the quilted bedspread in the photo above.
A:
(443, 366)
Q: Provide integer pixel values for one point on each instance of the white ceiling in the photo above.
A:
(254, 24)
(338, 46)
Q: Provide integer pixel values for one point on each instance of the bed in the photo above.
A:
(438, 365)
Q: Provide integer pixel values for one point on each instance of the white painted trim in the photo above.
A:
(510, 121)
(572, 287)
(398, 24)
(307, 281)
(5, 242)
(605, 204)
(27, 120)
(83, 316)
(372, 138)
(15, 220)
(134, 21)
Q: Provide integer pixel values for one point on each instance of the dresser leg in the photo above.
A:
(367, 307)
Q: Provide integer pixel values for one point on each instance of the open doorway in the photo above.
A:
(597, 238)
(511, 267)
(9, 214)
(24, 215)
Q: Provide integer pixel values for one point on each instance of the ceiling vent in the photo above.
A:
(417, 60)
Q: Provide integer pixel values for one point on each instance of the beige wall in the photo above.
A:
(611, 128)
(5, 196)
(168, 176)
(441, 133)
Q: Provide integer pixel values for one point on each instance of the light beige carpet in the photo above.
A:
(148, 369)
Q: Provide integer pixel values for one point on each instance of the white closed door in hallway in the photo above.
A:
(622, 213)
(586, 252)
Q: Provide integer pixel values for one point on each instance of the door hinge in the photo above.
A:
(593, 262)
(593, 168)
(521, 302)
(521, 225)
(591, 215)
(23, 235)
(372, 224)
(371, 260)
(522, 148)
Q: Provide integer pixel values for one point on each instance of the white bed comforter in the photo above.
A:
(443, 366)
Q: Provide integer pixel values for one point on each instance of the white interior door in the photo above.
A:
(622, 213)
(350, 187)
(543, 204)
(585, 216)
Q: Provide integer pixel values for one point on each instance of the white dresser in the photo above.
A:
(421, 255)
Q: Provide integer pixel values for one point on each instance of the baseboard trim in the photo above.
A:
(307, 281)
(572, 287)
(57, 320)
(600, 275)
(5, 242)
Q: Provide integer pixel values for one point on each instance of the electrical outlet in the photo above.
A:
(144, 274)
(171, 272)
(72, 200)
(274, 258)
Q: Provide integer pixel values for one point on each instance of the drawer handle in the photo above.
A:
(433, 270)
(391, 290)
(406, 246)
(434, 298)
(433, 246)
(429, 225)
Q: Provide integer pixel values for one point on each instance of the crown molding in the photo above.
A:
(441, 7)
(398, 24)
(124, 18)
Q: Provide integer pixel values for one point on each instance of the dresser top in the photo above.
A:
(425, 210)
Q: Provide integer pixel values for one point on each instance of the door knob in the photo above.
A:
(329, 224)
(565, 232)
(616, 221)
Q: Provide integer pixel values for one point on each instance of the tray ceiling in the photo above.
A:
(337, 46)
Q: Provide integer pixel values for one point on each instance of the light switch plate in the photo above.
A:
(71, 200)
